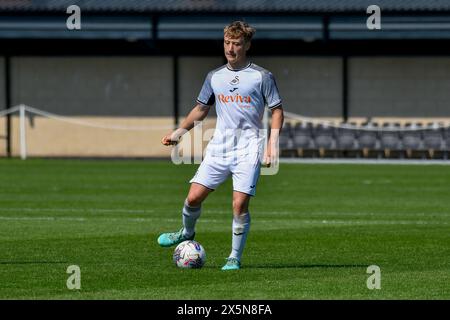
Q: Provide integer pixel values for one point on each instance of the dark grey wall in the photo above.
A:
(193, 71)
(399, 87)
(308, 86)
(111, 86)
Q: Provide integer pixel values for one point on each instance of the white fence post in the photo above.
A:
(23, 138)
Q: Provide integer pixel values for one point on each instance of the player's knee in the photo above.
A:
(194, 200)
(240, 206)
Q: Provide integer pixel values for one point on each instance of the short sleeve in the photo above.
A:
(270, 91)
(206, 96)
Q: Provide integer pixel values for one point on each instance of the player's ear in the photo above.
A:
(247, 45)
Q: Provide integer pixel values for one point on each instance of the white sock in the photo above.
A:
(190, 216)
(241, 227)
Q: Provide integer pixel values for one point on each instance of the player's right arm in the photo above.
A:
(198, 113)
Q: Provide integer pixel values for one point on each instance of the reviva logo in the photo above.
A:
(235, 98)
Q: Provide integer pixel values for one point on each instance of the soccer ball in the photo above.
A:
(189, 254)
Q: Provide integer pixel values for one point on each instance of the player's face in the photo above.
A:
(235, 49)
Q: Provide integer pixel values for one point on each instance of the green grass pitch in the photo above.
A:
(315, 230)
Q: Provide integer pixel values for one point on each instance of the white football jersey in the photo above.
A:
(240, 97)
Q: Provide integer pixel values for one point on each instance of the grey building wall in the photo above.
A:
(399, 87)
(192, 74)
(110, 86)
(309, 86)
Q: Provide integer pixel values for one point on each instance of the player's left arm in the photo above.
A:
(272, 149)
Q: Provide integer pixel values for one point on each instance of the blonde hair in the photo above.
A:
(237, 29)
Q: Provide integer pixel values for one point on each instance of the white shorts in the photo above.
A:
(244, 170)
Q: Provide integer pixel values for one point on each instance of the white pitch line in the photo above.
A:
(42, 218)
(297, 221)
(214, 211)
(78, 210)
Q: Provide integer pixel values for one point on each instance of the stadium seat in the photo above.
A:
(390, 141)
(345, 140)
(302, 137)
(412, 139)
(433, 140)
(287, 129)
(285, 136)
(323, 138)
(447, 138)
(446, 142)
(367, 139)
(285, 140)
(419, 140)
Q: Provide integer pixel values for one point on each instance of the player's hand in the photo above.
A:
(267, 159)
(169, 140)
(270, 155)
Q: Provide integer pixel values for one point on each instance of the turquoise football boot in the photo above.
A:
(232, 264)
(173, 238)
